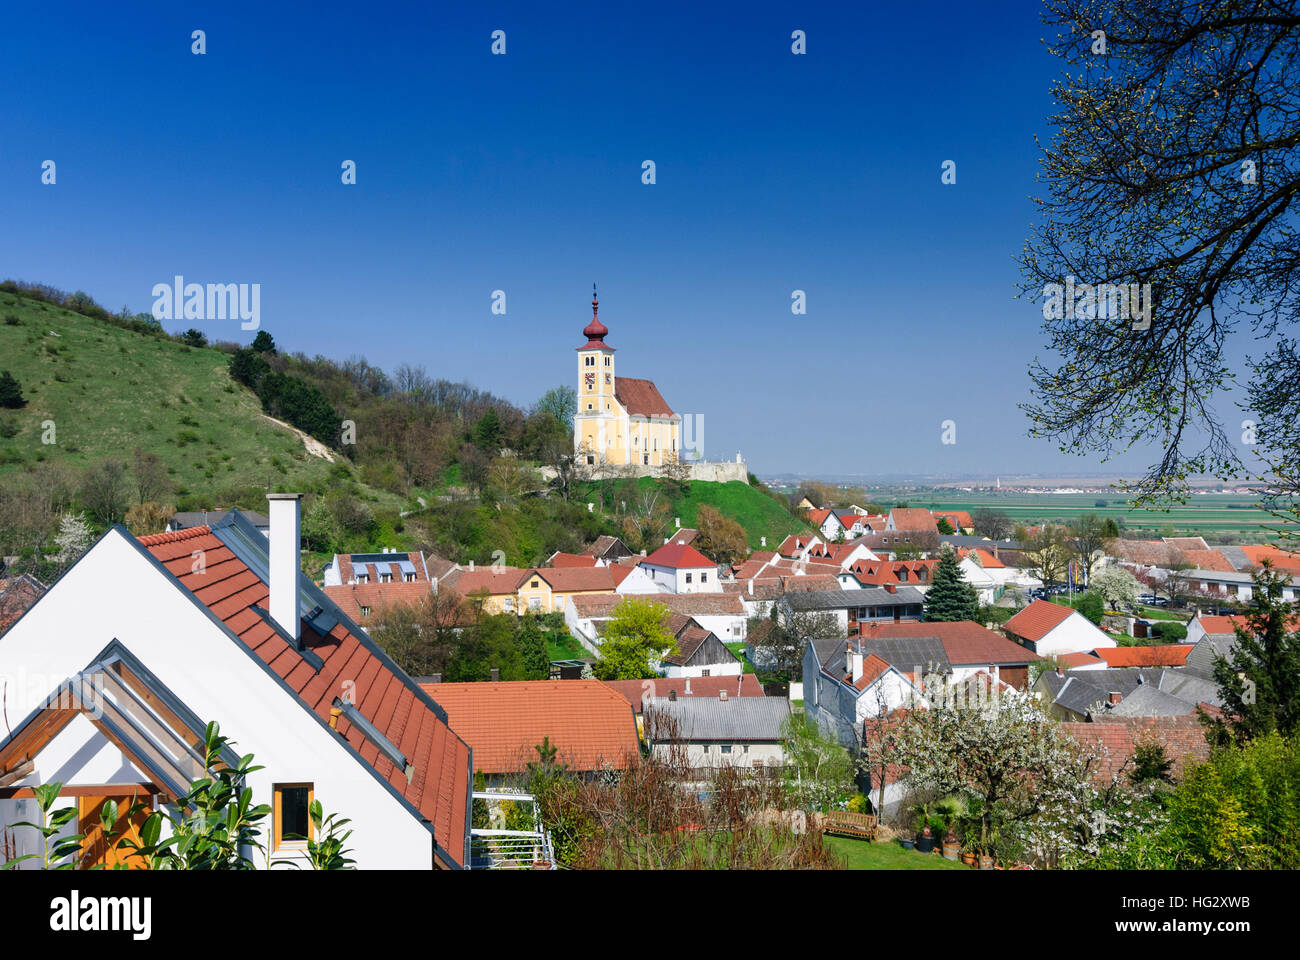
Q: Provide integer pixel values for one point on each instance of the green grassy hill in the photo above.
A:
(759, 514)
(110, 390)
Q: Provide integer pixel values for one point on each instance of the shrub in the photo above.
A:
(1170, 632)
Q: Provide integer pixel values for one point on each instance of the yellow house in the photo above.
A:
(620, 420)
(540, 590)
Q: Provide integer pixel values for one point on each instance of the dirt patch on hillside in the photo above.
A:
(312, 445)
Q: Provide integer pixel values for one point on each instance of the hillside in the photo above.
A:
(760, 515)
(110, 390)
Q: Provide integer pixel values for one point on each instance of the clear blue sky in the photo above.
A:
(523, 173)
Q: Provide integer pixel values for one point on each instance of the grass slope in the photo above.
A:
(759, 514)
(109, 390)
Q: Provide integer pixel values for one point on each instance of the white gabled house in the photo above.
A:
(113, 674)
(1049, 629)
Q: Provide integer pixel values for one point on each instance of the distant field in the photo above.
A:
(1221, 513)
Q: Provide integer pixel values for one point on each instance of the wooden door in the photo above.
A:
(97, 847)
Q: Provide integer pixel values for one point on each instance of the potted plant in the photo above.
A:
(951, 808)
(924, 838)
(968, 855)
(986, 850)
(908, 842)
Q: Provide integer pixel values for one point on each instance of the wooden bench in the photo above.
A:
(844, 824)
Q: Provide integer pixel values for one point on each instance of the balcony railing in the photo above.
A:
(511, 849)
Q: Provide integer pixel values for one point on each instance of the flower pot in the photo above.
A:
(907, 842)
(924, 844)
(986, 863)
(968, 859)
(951, 850)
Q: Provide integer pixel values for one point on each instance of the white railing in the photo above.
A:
(511, 849)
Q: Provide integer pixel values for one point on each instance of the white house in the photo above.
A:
(112, 675)
(680, 568)
(719, 732)
(1049, 628)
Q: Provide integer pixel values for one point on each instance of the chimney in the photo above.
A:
(471, 566)
(763, 541)
(672, 696)
(688, 686)
(892, 587)
(496, 674)
(855, 659)
(285, 560)
(1114, 697)
(679, 522)
(1059, 673)
(722, 695)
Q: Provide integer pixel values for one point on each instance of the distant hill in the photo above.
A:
(109, 390)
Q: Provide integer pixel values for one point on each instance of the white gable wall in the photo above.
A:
(116, 592)
(1074, 634)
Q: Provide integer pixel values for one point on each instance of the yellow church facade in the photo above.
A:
(619, 420)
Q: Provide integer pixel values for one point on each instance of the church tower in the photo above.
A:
(595, 425)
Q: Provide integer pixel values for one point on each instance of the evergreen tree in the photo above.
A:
(11, 394)
(532, 648)
(264, 342)
(950, 597)
(488, 432)
(1259, 680)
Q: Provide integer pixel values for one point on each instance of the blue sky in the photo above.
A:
(522, 173)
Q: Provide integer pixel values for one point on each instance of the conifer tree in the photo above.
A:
(11, 394)
(950, 597)
(532, 647)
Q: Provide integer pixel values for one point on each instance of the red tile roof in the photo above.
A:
(440, 784)
(745, 685)
(793, 545)
(595, 605)
(467, 582)
(1182, 737)
(1037, 620)
(872, 667)
(586, 721)
(678, 555)
(351, 597)
(641, 398)
(572, 560)
(577, 579)
(1083, 659)
(983, 558)
(1155, 655)
(1279, 558)
(913, 518)
(346, 572)
(1208, 560)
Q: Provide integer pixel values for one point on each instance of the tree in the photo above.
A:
(248, 367)
(488, 432)
(944, 527)
(950, 597)
(532, 648)
(1087, 539)
(721, 538)
(779, 648)
(1047, 553)
(11, 394)
(475, 469)
(263, 342)
(1092, 606)
(105, 491)
(1180, 139)
(1259, 681)
(1116, 585)
(992, 523)
(818, 771)
(194, 338)
(146, 518)
(150, 477)
(561, 403)
(73, 538)
(635, 635)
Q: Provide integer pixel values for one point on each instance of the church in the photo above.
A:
(620, 420)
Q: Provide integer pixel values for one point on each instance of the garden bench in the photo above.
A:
(844, 824)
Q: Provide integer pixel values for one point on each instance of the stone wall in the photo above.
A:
(710, 471)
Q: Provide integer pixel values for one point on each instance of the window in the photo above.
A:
(363, 578)
(636, 441)
(365, 611)
(704, 673)
(409, 578)
(291, 813)
(590, 361)
(535, 603)
(688, 577)
(704, 578)
(385, 578)
(590, 460)
(607, 361)
(726, 748)
(534, 584)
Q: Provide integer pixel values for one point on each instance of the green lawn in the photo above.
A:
(1157, 613)
(738, 648)
(887, 855)
(561, 646)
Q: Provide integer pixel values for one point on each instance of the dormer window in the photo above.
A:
(385, 578)
(365, 611)
(363, 578)
(409, 578)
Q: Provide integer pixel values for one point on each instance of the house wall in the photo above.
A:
(705, 755)
(1074, 634)
(116, 592)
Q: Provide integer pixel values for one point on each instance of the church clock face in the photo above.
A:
(591, 380)
(608, 379)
